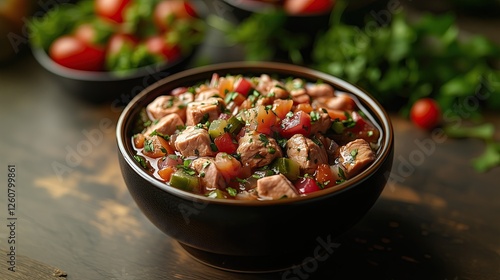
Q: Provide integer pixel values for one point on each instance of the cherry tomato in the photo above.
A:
(119, 40)
(299, 123)
(425, 113)
(113, 10)
(297, 7)
(73, 53)
(225, 143)
(159, 46)
(306, 185)
(168, 10)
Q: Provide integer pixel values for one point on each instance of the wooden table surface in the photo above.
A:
(437, 219)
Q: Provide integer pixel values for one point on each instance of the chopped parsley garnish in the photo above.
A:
(354, 153)
(205, 164)
(148, 145)
(271, 150)
(213, 147)
(141, 161)
(342, 176)
(231, 191)
(164, 136)
(315, 116)
(263, 139)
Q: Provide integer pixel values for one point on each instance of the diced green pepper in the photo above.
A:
(216, 128)
(181, 180)
(338, 127)
(287, 167)
(234, 125)
(217, 194)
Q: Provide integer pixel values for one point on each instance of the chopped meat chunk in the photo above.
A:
(165, 105)
(355, 156)
(257, 150)
(266, 83)
(338, 102)
(278, 92)
(194, 141)
(307, 153)
(300, 95)
(275, 187)
(210, 176)
(321, 122)
(167, 125)
(206, 94)
(203, 111)
(320, 90)
(331, 147)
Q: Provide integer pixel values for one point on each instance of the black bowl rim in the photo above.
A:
(259, 7)
(103, 76)
(385, 150)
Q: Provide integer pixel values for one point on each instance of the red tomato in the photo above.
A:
(306, 185)
(70, 52)
(169, 10)
(363, 129)
(296, 7)
(425, 113)
(111, 9)
(299, 123)
(85, 33)
(117, 41)
(159, 46)
(225, 143)
(242, 86)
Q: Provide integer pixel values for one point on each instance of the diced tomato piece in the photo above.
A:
(139, 141)
(306, 185)
(225, 85)
(166, 173)
(242, 86)
(363, 128)
(281, 107)
(299, 123)
(156, 147)
(306, 107)
(336, 114)
(227, 165)
(324, 176)
(266, 119)
(225, 143)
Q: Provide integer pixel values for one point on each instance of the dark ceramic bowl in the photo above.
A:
(101, 86)
(254, 235)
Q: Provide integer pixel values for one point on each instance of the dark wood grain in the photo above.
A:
(27, 269)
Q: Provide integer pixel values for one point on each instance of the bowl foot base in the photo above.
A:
(253, 264)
